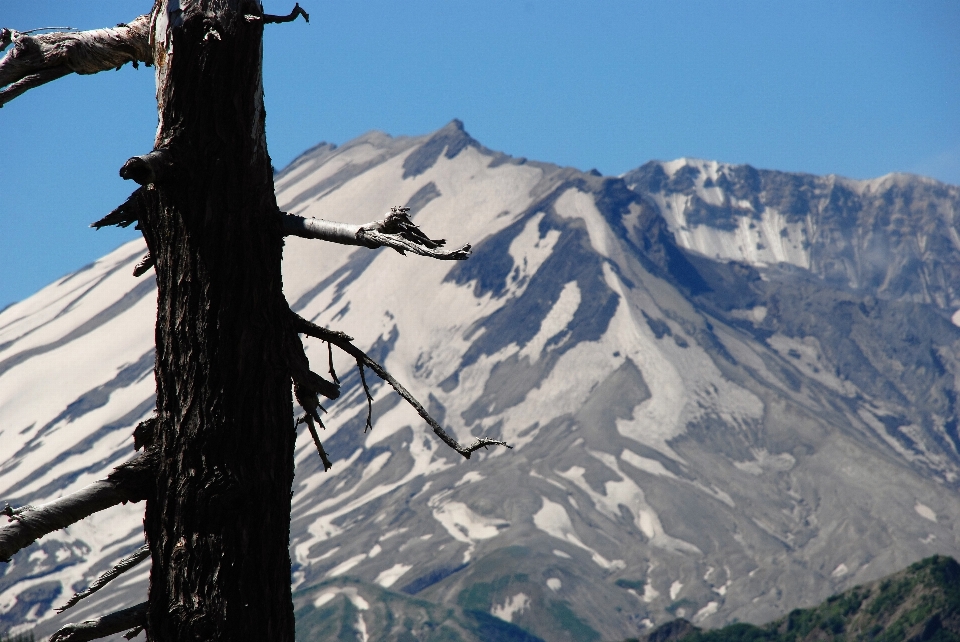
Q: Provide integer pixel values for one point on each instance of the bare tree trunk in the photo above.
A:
(220, 449)
(224, 407)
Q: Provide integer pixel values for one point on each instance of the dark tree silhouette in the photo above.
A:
(216, 462)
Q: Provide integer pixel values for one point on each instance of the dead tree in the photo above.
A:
(216, 470)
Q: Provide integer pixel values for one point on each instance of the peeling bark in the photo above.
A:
(35, 60)
(396, 231)
(129, 482)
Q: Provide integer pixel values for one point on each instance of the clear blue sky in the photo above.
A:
(853, 88)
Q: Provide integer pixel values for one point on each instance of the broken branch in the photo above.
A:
(122, 566)
(297, 11)
(134, 617)
(307, 419)
(144, 265)
(129, 482)
(311, 329)
(149, 168)
(131, 210)
(366, 391)
(396, 231)
(38, 59)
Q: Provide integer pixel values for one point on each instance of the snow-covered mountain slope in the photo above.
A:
(693, 438)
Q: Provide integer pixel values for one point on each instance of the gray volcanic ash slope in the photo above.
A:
(724, 405)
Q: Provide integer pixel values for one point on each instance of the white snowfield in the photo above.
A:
(606, 479)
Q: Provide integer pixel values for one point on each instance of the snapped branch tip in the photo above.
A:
(293, 15)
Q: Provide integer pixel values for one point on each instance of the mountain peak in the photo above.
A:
(449, 140)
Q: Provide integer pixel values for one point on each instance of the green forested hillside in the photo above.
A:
(918, 604)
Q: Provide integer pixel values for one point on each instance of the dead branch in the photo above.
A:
(149, 168)
(27, 83)
(38, 59)
(122, 566)
(129, 482)
(143, 265)
(396, 231)
(333, 373)
(297, 11)
(308, 385)
(311, 329)
(131, 210)
(366, 391)
(134, 617)
(307, 419)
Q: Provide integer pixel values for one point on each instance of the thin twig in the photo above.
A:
(366, 390)
(333, 373)
(297, 11)
(50, 29)
(311, 329)
(122, 566)
(307, 419)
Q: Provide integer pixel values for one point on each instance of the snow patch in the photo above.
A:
(343, 567)
(626, 493)
(389, 577)
(529, 251)
(675, 589)
(576, 204)
(650, 593)
(705, 612)
(647, 465)
(472, 476)
(515, 605)
(925, 512)
(554, 584)
(553, 520)
(463, 524)
(559, 317)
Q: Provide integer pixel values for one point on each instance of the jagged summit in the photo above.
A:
(698, 438)
(894, 236)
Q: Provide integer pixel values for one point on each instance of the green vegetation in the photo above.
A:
(20, 637)
(636, 585)
(919, 604)
(479, 597)
(569, 622)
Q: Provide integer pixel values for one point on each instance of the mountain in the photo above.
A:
(921, 603)
(701, 429)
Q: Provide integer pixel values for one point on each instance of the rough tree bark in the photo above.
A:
(220, 449)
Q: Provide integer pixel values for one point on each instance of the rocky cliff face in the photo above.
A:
(702, 429)
(894, 236)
